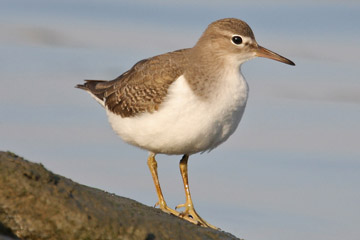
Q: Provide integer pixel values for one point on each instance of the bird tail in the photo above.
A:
(96, 88)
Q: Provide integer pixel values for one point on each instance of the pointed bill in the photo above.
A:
(266, 53)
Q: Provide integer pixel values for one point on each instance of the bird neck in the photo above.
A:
(206, 70)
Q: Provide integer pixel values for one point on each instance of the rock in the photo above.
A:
(38, 204)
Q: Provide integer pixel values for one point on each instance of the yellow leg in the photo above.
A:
(161, 203)
(189, 213)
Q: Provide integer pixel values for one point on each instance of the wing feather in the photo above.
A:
(143, 88)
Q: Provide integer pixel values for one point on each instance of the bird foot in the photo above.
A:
(163, 206)
(191, 215)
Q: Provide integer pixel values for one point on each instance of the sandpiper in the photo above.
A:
(183, 102)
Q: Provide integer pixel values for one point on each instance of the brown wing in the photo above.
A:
(143, 87)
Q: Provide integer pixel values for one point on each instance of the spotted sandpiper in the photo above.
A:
(183, 102)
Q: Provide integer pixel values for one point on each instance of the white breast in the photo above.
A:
(186, 123)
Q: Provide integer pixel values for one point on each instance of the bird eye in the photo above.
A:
(236, 40)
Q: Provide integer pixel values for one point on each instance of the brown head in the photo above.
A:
(234, 39)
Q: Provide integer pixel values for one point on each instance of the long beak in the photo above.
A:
(266, 53)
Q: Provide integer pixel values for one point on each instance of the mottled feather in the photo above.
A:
(141, 89)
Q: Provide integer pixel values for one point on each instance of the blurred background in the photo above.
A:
(291, 170)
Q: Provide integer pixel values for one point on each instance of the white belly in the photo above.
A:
(185, 123)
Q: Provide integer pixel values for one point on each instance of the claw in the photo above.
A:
(192, 216)
(180, 206)
(163, 206)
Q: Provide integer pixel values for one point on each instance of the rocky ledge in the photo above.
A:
(38, 204)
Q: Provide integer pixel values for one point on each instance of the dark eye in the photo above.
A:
(236, 40)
